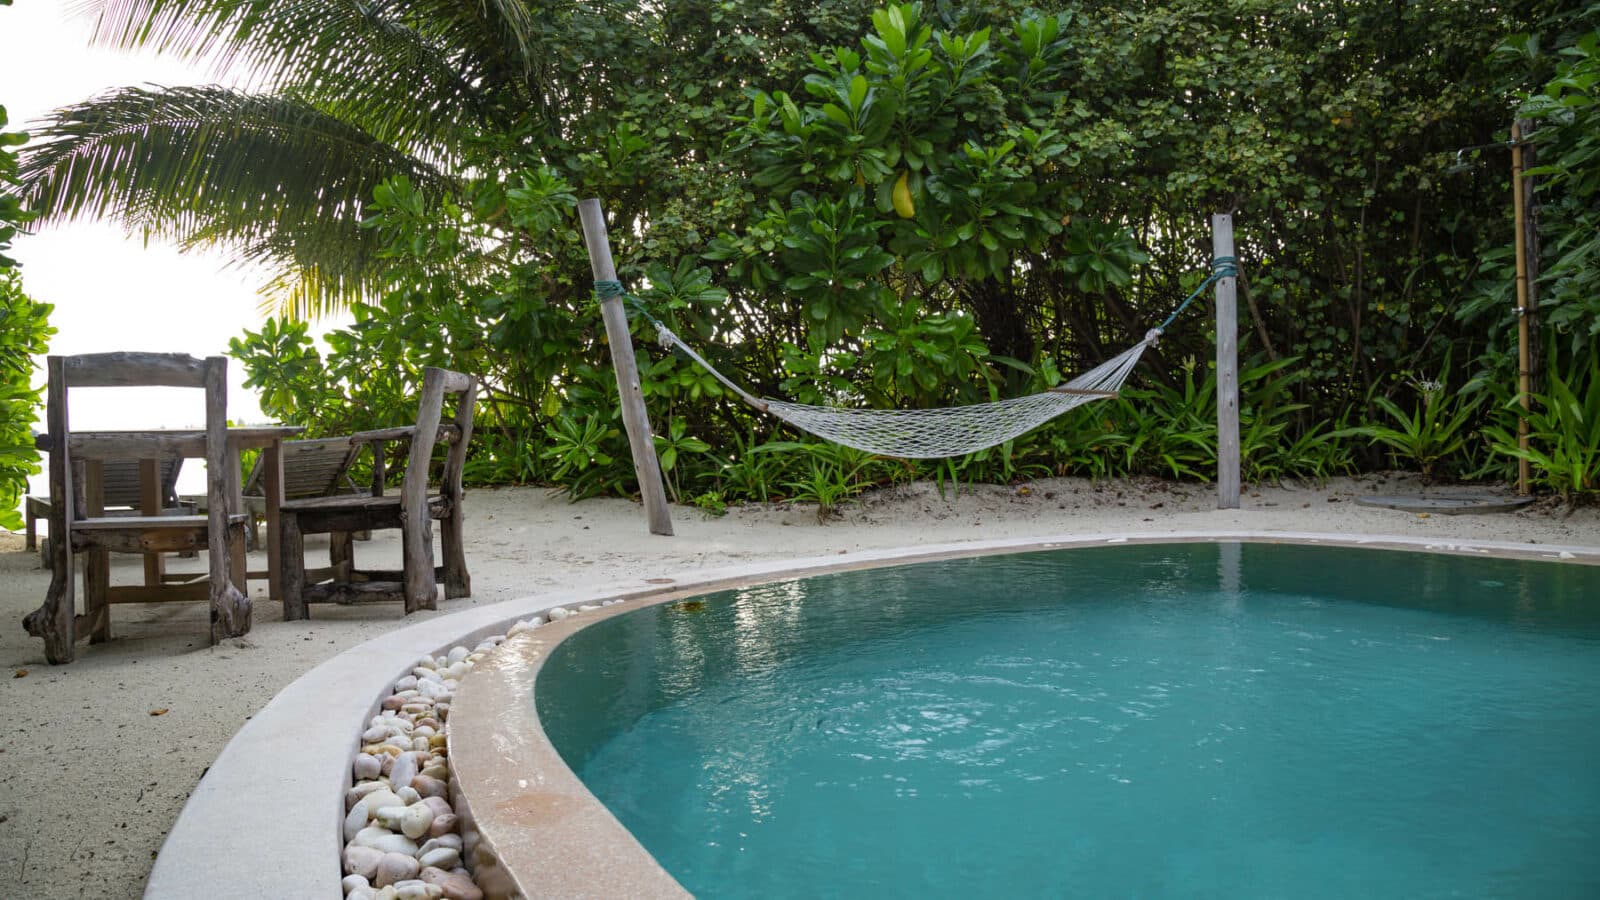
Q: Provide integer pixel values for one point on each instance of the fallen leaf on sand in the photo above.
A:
(159, 712)
(20, 673)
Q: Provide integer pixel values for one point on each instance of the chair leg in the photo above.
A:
(238, 568)
(421, 587)
(230, 604)
(292, 563)
(54, 620)
(457, 583)
(341, 555)
(96, 586)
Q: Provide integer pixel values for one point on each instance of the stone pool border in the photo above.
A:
(265, 819)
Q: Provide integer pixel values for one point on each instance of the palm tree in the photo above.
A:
(338, 95)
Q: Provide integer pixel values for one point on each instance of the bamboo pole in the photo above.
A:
(1524, 362)
(634, 416)
(1227, 368)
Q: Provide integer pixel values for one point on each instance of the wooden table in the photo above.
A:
(93, 448)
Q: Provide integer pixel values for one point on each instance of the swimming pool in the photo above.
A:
(1168, 720)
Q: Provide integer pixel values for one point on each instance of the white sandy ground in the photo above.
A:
(91, 780)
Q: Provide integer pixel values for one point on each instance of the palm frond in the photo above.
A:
(402, 71)
(275, 181)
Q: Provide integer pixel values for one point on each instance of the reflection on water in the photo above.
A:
(1183, 720)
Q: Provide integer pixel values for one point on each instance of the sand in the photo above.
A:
(98, 757)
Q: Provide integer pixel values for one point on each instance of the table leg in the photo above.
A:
(272, 469)
(150, 505)
(97, 560)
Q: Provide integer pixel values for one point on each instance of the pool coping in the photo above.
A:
(293, 757)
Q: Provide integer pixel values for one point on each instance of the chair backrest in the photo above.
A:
(133, 370)
(121, 482)
(311, 468)
(436, 383)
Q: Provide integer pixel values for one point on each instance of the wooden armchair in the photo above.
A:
(412, 511)
(89, 532)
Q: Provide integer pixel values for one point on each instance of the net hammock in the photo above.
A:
(944, 431)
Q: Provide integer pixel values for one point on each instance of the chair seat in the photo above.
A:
(146, 523)
(359, 502)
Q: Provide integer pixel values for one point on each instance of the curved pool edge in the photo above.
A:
(548, 835)
(297, 750)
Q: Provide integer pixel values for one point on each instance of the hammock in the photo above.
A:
(946, 431)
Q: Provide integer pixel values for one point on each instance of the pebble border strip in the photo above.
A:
(403, 782)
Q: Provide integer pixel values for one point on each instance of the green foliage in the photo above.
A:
(1567, 110)
(12, 215)
(24, 332)
(910, 205)
(832, 475)
(1436, 428)
(1564, 433)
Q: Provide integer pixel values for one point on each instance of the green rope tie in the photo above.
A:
(1221, 267)
(609, 289)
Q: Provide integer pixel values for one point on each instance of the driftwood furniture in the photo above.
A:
(89, 532)
(319, 467)
(122, 487)
(412, 511)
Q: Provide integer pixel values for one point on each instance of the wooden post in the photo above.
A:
(1227, 369)
(634, 416)
(1524, 361)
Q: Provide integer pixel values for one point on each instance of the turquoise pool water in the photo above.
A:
(1192, 720)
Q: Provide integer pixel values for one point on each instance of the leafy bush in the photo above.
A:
(24, 332)
(1564, 434)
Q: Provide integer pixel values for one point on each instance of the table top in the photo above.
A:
(159, 442)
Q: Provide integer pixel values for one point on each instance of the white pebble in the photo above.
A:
(417, 890)
(395, 867)
(361, 790)
(457, 654)
(453, 841)
(379, 799)
(405, 769)
(370, 835)
(559, 613)
(405, 684)
(395, 843)
(415, 821)
(443, 857)
(355, 883)
(367, 767)
(408, 795)
(355, 820)
(587, 607)
(362, 861)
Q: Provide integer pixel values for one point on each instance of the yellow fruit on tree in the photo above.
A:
(902, 197)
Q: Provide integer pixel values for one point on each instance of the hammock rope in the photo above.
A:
(946, 431)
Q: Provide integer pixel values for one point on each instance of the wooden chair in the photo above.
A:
(123, 495)
(319, 467)
(412, 511)
(89, 532)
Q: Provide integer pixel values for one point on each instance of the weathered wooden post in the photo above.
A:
(634, 416)
(1519, 187)
(1227, 368)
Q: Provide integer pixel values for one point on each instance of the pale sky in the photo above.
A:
(113, 292)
